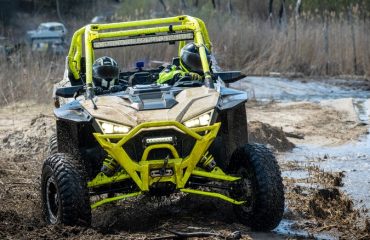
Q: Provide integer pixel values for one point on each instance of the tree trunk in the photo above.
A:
(195, 3)
(230, 7)
(214, 4)
(282, 14)
(58, 11)
(163, 5)
(298, 8)
(271, 2)
(326, 43)
(182, 4)
(353, 39)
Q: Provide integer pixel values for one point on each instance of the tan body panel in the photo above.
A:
(191, 103)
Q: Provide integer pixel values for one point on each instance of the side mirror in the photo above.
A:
(230, 76)
(68, 92)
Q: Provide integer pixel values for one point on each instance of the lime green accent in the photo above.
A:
(75, 53)
(86, 35)
(212, 194)
(139, 171)
(216, 173)
(101, 179)
(112, 199)
(183, 168)
(158, 146)
(183, 67)
(168, 74)
(205, 34)
(207, 160)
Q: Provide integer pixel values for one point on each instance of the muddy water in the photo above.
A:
(279, 89)
(352, 158)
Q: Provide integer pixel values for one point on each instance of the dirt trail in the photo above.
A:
(314, 203)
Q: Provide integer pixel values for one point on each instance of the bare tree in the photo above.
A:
(214, 4)
(163, 5)
(230, 7)
(58, 11)
(282, 12)
(298, 9)
(350, 17)
(270, 11)
(183, 4)
(326, 41)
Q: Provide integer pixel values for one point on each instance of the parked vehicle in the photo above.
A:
(49, 30)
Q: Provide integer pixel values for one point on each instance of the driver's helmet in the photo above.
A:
(105, 72)
(190, 58)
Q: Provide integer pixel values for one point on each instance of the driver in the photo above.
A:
(190, 65)
(106, 75)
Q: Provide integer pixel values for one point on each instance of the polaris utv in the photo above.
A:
(153, 138)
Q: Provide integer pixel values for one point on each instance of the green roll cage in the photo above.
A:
(87, 35)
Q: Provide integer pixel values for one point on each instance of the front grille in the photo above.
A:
(135, 147)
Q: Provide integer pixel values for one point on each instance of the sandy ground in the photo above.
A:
(315, 204)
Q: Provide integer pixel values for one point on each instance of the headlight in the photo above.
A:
(109, 128)
(202, 120)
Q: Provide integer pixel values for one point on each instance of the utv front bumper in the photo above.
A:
(179, 166)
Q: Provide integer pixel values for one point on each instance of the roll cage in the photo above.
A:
(122, 34)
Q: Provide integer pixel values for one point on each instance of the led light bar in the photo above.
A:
(143, 40)
(159, 140)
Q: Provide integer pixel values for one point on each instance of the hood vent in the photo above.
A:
(151, 97)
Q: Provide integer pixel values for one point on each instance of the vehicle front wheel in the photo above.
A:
(261, 187)
(64, 193)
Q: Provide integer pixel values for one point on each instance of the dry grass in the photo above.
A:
(258, 48)
(29, 77)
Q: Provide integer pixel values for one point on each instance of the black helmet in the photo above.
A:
(190, 58)
(105, 72)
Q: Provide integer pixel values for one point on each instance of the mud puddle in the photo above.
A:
(352, 159)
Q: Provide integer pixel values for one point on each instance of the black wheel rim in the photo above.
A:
(247, 189)
(52, 200)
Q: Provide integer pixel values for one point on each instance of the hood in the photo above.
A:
(134, 108)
